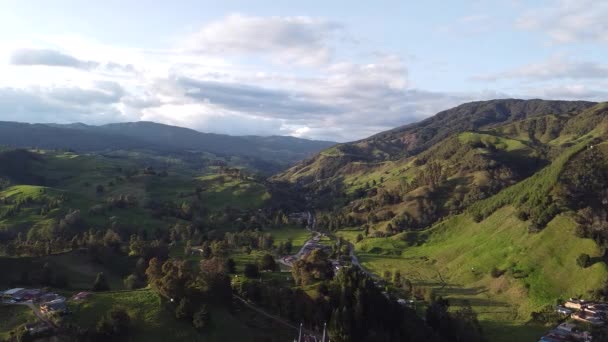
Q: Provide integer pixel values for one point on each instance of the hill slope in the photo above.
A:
(278, 150)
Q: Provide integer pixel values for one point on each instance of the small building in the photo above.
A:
(31, 294)
(47, 297)
(563, 310)
(587, 317)
(37, 328)
(81, 295)
(13, 294)
(575, 304)
(57, 305)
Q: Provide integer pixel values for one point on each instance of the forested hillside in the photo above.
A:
(491, 203)
(265, 154)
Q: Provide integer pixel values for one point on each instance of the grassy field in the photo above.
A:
(298, 236)
(225, 191)
(12, 316)
(152, 322)
(459, 255)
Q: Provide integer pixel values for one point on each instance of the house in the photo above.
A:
(47, 297)
(81, 295)
(587, 317)
(13, 294)
(57, 305)
(31, 294)
(563, 310)
(574, 331)
(575, 304)
(37, 328)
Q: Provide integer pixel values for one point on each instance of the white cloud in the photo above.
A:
(569, 21)
(223, 82)
(301, 40)
(554, 68)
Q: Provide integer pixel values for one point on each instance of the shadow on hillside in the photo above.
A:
(595, 260)
(461, 291)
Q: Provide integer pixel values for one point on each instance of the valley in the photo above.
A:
(471, 225)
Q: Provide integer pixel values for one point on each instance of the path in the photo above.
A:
(37, 312)
(316, 236)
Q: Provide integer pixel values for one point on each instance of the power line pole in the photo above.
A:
(324, 328)
(300, 334)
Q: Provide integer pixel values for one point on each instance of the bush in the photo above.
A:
(230, 266)
(101, 283)
(251, 271)
(184, 309)
(116, 323)
(133, 282)
(583, 260)
(267, 263)
(201, 318)
(495, 273)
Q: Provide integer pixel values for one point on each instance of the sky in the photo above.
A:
(332, 70)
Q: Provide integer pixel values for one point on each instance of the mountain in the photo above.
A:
(491, 203)
(412, 139)
(424, 171)
(153, 136)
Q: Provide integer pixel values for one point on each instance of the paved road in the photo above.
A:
(316, 236)
(355, 261)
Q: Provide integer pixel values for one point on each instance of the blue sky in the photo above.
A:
(337, 70)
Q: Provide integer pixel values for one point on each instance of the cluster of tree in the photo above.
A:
(460, 325)
(189, 289)
(315, 266)
(48, 275)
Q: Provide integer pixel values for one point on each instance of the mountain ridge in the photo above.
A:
(281, 151)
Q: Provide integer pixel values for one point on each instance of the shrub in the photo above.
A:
(267, 263)
(496, 272)
(201, 318)
(251, 271)
(583, 260)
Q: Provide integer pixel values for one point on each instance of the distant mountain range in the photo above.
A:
(154, 136)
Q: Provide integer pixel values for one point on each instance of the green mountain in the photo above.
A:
(489, 203)
(268, 154)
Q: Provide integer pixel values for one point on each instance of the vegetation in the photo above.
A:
(482, 217)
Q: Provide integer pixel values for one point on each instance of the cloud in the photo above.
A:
(570, 92)
(49, 57)
(554, 68)
(569, 21)
(59, 105)
(301, 40)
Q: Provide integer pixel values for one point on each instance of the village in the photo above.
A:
(44, 304)
(579, 315)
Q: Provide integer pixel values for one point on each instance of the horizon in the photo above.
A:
(284, 136)
(335, 72)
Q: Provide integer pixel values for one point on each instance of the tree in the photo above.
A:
(184, 309)
(251, 271)
(116, 323)
(99, 189)
(132, 282)
(230, 266)
(583, 260)
(47, 275)
(153, 272)
(267, 263)
(288, 246)
(101, 283)
(201, 318)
